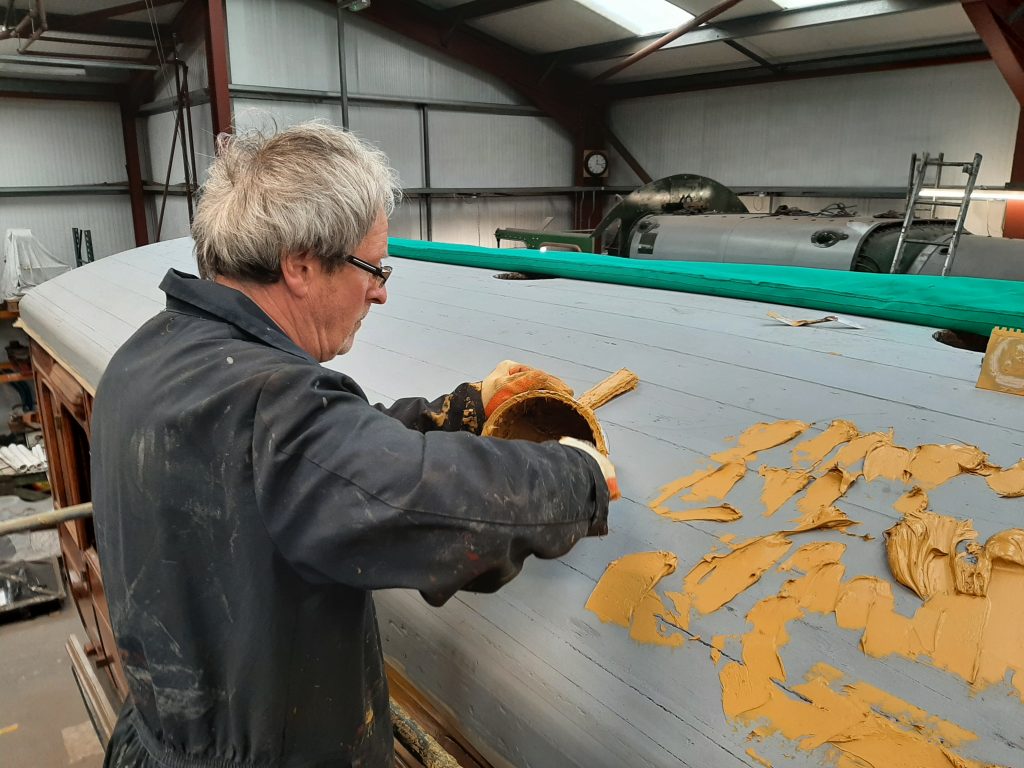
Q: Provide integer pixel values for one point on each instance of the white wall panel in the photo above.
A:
(854, 130)
(407, 220)
(283, 43)
(175, 217)
(381, 63)
(476, 150)
(57, 143)
(472, 221)
(269, 116)
(156, 134)
(51, 219)
(397, 131)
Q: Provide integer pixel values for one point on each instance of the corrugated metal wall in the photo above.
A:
(51, 219)
(65, 143)
(396, 130)
(57, 143)
(473, 220)
(849, 131)
(283, 43)
(294, 44)
(156, 136)
(498, 151)
(380, 62)
(854, 130)
(174, 223)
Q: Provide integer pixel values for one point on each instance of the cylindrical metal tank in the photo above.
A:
(994, 257)
(863, 244)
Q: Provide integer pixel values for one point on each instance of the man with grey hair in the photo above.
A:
(248, 500)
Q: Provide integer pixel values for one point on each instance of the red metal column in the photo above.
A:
(132, 165)
(217, 66)
(1003, 43)
(990, 19)
(1013, 219)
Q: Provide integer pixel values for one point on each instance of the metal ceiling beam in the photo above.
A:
(568, 99)
(25, 88)
(750, 26)
(73, 61)
(931, 55)
(48, 38)
(477, 8)
(744, 51)
(121, 10)
(668, 38)
(1002, 42)
(61, 22)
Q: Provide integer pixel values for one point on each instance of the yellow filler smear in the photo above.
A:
(932, 465)
(761, 437)
(914, 500)
(888, 461)
(625, 596)
(825, 517)
(758, 759)
(855, 450)
(813, 450)
(1008, 482)
(864, 725)
(780, 485)
(919, 549)
(823, 492)
(723, 513)
(711, 483)
(718, 578)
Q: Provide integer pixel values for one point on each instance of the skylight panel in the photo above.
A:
(789, 5)
(641, 17)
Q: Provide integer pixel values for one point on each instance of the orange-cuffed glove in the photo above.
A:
(511, 378)
(607, 468)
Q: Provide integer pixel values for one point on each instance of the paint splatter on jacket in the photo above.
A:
(248, 500)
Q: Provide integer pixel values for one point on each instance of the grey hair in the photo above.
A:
(311, 187)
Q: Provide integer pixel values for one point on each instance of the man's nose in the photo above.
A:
(378, 294)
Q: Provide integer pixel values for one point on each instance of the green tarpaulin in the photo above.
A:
(958, 303)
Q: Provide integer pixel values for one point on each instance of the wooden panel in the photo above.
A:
(107, 655)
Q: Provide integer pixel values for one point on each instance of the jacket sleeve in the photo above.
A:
(463, 409)
(349, 495)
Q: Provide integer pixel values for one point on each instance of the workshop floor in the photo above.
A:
(43, 722)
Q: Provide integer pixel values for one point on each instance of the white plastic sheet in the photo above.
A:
(26, 263)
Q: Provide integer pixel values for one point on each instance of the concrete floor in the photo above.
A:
(43, 722)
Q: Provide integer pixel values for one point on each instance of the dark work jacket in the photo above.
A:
(247, 502)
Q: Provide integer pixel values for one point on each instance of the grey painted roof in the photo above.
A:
(533, 677)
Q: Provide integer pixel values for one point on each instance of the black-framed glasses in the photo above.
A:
(381, 273)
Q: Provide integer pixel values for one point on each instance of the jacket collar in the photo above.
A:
(204, 298)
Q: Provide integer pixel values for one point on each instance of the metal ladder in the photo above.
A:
(77, 235)
(921, 164)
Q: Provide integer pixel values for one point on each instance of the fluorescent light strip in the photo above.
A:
(977, 194)
(641, 17)
(40, 71)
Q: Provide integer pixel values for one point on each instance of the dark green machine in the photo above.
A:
(681, 194)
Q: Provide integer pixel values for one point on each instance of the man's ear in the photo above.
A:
(298, 270)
